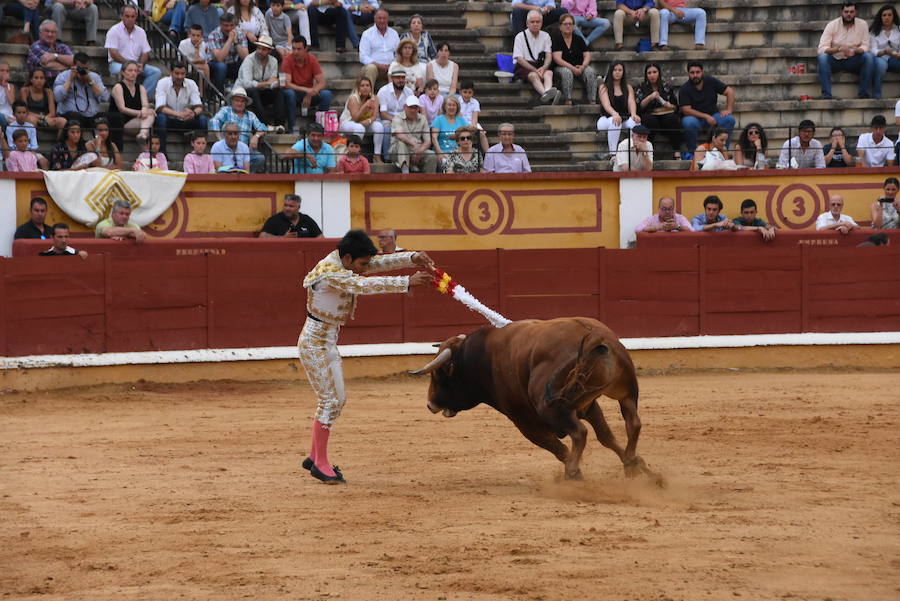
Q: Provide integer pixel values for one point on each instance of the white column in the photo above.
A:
(7, 216)
(635, 204)
(328, 203)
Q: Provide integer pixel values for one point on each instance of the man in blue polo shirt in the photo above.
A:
(312, 154)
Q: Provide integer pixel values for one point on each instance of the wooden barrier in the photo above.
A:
(745, 240)
(111, 303)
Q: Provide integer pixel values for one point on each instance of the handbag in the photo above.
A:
(329, 121)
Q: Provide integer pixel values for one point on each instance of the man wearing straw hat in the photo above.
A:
(251, 129)
(259, 76)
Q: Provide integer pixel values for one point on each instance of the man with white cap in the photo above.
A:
(635, 153)
(391, 100)
(250, 127)
(259, 76)
(411, 144)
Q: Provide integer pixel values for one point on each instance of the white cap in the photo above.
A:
(413, 101)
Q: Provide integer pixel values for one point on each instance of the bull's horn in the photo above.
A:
(435, 363)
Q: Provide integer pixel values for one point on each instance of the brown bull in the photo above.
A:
(545, 376)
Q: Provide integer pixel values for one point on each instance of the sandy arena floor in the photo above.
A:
(781, 486)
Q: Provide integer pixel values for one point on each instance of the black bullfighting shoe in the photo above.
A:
(307, 464)
(338, 477)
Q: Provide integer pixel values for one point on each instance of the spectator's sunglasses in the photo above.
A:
(464, 138)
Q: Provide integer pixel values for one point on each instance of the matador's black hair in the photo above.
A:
(358, 244)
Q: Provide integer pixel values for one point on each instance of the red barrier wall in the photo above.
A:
(248, 299)
(783, 239)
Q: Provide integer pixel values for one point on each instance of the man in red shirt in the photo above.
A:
(304, 82)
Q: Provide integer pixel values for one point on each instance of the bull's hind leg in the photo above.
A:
(594, 416)
(630, 459)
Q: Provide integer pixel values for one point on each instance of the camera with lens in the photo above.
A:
(81, 70)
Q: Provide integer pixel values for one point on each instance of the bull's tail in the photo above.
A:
(585, 377)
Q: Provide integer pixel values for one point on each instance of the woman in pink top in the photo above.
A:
(197, 161)
(585, 13)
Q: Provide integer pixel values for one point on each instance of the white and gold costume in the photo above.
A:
(331, 291)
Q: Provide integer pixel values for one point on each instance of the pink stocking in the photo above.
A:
(320, 448)
(312, 444)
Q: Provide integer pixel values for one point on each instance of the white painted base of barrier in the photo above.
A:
(424, 348)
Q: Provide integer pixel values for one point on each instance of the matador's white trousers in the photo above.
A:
(319, 355)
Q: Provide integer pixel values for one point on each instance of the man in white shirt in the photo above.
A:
(533, 52)
(635, 153)
(391, 100)
(875, 149)
(803, 149)
(178, 105)
(377, 48)
(834, 219)
(126, 41)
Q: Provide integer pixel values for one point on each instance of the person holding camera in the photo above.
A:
(290, 222)
(79, 92)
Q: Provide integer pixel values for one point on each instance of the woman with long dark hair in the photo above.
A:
(886, 210)
(752, 145)
(617, 103)
(64, 156)
(658, 107)
(884, 44)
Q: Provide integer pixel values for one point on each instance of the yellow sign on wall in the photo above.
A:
(482, 213)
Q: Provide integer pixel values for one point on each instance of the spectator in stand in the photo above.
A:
(443, 128)
(407, 59)
(874, 149)
(506, 157)
(884, 44)
(752, 145)
(635, 152)
(249, 19)
(197, 161)
(425, 50)
(129, 107)
(362, 13)
(616, 101)
(230, 153)
(533, 53)
(411, 145)
(844, 46)
(21, 159)
(290, 222)
(676, 11)
(48, 53)
(40, 102)
(312, 154)
(802, 151)
(834, 219)
(35, 228)
(470, 108)
(896, 111)
(886, 210)
(259, 76)
(837, 153)
(178, 104)
(712, 219)
(550, 14)
(280, 29)
(107, 153)
(327, 12)
(151, 158)
(392, 99)
(465, 158)
(657, 106)
(7, 95)
(126, 42)
(304, 83)
(748, 221)
(444, 70)
(879, 239)
(171, 13)
(20, 121)
(387, 242)
(585, 13)
(118, 225)
(353, 161)
(377, 48)
(204, 14)
(228, 46)
(61, 246)
(194, 50)
(572, 59)
(698, 98)
(713, 154)
(79, 92)
(29, 11)
(667, 220)
(637, 12)
(250, 127)
(68, 154)
(361, 115)
(431, 101)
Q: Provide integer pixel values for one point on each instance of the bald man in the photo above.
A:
(387, 242)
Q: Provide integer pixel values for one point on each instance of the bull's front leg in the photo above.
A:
(630, 458)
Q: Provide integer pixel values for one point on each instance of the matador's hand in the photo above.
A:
(420, 278)
(422, 258)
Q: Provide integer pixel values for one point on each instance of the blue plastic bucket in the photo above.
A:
(505, 63)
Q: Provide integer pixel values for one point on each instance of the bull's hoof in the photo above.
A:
(633, 467)
(449, 413)
(576, 475)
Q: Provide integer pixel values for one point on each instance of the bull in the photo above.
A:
(545, 376)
